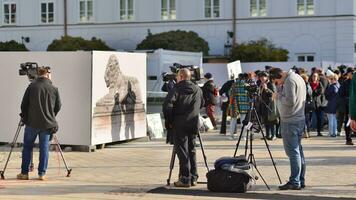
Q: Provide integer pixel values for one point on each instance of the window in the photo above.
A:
(9, 13)
(168, 9)
(86, 10)
(47, 12)
(212, 8)
(126, 10)
(258, 8)
(305, 57)
(305, 7)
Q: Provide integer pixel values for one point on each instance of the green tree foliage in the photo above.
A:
(68, 43)
(258, 51)
(175, 40)
(12, 46)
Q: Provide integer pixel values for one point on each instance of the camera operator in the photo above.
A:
(39, 107)
(181, 111)
(267, 106)
(291, 97)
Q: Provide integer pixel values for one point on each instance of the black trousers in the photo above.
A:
(186, 152)
(224, 107)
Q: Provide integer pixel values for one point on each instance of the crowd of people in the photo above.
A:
(290, 104)
(327, 102)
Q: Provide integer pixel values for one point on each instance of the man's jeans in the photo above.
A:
(28, 143)
(292, 135)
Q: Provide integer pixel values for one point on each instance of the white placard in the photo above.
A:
(154, 126)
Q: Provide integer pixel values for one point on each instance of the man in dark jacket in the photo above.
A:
(353, 103)
(343, 105)
(181, 110)
(210, 93)
(39, 107)
(225, 96)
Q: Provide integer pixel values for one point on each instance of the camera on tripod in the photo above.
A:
(252, 89)
(194, 70)
(30, 69)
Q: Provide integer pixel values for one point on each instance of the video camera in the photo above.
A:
(252, 89)
(194, 70)
(31, 70)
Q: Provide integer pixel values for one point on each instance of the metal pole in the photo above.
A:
(234, 23)
(65, 18)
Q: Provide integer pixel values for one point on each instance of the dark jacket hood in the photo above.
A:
(187, 87)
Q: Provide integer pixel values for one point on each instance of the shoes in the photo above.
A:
(194, 183)
(215, 128)
(273, 138)
(279, 136)
(302, 185)
(332, 135)
(349, 143)
(181, 184)
(42, 177)
(22, 176)
(289, 186)
(319, 134)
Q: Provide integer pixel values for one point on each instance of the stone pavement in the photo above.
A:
(138, 170)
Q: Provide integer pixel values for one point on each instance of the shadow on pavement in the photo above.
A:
(248, 195)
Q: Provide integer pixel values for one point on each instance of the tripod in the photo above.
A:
(249, 135)
(173, 158)
(20, 124)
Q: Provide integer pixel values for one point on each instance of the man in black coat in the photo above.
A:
(224, 93)
(181, 110)
(209, 94)
(39, 107)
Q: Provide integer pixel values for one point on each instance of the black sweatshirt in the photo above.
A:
(40, 104)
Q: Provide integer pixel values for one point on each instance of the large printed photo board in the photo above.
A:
(118, 96)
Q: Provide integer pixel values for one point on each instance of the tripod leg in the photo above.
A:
(238, 142)
(202, 149)
(69, 171)
(171, 165)
(2, 173)
(269, 151)
(253, 162)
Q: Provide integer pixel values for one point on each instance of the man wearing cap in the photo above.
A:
(209, 93)
(40, 105)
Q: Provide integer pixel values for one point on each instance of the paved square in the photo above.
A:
(138, 170)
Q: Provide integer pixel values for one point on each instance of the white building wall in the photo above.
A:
(330, 33)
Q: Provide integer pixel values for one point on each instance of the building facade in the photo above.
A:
(312, 30)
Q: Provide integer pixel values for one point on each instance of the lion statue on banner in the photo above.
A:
(122, 89)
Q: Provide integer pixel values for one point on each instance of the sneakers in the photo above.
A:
(289, 186)
(22, 176)
(194, 183)
(42, 177)
(349, 143)
(181, 184)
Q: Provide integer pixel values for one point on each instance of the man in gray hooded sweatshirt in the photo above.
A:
(290, 98)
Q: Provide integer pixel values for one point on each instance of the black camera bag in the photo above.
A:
(220, 180)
